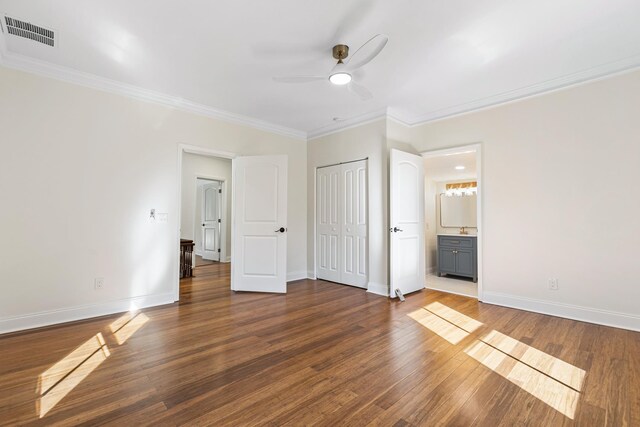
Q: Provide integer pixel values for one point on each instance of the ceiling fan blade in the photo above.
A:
(298, 79)
(367, 51)
(362, 92)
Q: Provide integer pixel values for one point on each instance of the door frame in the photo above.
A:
(202, 151)
(477, 148)
(315, 219)
(223, 215)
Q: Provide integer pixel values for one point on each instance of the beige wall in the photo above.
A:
(559, 173)
(367, 141)
(194, 166)
(79, 173)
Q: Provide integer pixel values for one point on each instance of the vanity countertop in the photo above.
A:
(457, 235)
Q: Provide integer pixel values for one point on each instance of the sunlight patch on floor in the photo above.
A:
(466, 323)
(553, 381)
(57, 381)
(560, 370)
(555, 394)
(129, 326)
(441, 327)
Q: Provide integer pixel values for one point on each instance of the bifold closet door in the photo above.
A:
(327, 223)
(341, 228)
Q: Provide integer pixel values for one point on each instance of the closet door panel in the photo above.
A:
(328, 223)
(354, 227)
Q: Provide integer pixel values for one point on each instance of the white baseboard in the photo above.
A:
(228, 259)
(311, 275)
(378, 289)
(53, 317)
(296, 275)
(574, 312)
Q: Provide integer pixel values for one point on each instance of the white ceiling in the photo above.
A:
(443, 168)
(442, 57)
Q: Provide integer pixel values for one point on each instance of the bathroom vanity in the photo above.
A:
(458, 255)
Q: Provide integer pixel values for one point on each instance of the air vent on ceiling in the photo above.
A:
(27, 30)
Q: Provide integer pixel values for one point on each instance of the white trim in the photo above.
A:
(568, 311)
(343, 125)
(378, 289)
(296, 275)
(43, 68)
(46, 69)
(477, 147)
(553, 85)
(54, 317)
(311, 274)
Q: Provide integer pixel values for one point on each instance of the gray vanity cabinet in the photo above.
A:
(458, 255)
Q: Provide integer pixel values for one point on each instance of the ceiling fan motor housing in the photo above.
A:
(340, 52)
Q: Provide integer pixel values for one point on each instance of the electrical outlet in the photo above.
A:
(553, 284)
(98, 283)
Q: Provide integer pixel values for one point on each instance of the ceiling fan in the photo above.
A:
(342, 72)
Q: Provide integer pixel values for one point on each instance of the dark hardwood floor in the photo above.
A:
(323, 354)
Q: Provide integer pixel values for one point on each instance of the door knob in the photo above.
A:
(396, 230)
(281, 230)
(203, 225)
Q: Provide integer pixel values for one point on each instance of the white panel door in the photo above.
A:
(211, 221)
(328, 223)
(259, 239)
(353, 265)
(406, 220)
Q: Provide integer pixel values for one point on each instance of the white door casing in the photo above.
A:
(406, 221)
(259, 212)
(210, 217)
(341, 223)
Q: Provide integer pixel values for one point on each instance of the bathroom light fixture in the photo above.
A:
(340, 78)
(459, 168)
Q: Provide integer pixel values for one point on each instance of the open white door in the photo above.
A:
(406, 221)
(211, 221)
(259, 212)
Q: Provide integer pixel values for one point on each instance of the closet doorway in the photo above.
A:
(341, 223)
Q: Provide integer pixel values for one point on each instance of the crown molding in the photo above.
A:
(46, 69)
(347, 124)
(575, 79)
(34, 66)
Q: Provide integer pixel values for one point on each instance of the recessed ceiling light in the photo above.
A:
(340, 78)
(459, 168)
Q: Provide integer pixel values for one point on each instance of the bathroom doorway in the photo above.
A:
(453, 249)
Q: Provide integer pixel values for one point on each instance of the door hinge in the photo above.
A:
(220, 190)
(219, 220)
(218, 249)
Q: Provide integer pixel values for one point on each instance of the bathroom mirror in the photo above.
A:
(458, 211)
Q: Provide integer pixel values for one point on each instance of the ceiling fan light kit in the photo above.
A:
(340, 78)
(341, 73)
